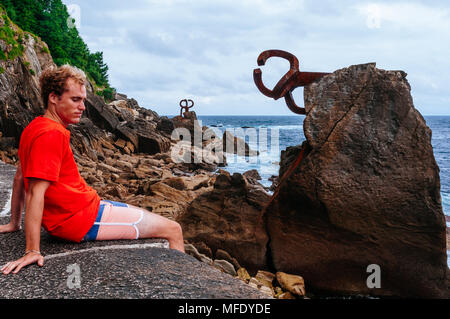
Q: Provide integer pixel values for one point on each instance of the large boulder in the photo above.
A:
(129, 124)
(366, 192)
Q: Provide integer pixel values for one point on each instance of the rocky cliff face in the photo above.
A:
(367, 192)
(121, 149)
(230, 217)
(19, 94)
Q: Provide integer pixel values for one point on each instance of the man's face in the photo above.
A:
(70, 105)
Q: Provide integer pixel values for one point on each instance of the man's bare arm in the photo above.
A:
(17, 203)
(33, 220)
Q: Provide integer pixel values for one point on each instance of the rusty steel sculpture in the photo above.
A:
(185, 105)
(289, 82)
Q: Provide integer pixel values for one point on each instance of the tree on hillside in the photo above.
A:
(98, 69)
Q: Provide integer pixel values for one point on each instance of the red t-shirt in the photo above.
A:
(70, 205)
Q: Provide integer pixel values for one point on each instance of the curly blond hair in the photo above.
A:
(54, 80)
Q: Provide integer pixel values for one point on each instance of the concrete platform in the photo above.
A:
(109, 269)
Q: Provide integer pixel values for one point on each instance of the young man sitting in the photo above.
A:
(55, 195)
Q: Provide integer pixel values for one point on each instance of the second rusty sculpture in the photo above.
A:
(291, 80)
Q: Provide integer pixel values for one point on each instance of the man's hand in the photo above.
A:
(9, 228)
(28, 259)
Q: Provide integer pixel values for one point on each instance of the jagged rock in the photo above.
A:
(117, 191)
(292, 283)
(228, 218)
(252, 174)
(175, 182)
(196, 147)
(236, 145)
(244, 275)
(149, 141)
(107, 168)
(191, 250)
(167, 201)
(366, 192)
(222, 254)
(120, 96)
(204, 249)
(195, 159)
(255, 283)
(88, 140)
(266, 278)
(225, 266)
(100, 113)
(20, 100)
(165, 125)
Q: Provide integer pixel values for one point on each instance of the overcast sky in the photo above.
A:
(162, 51)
